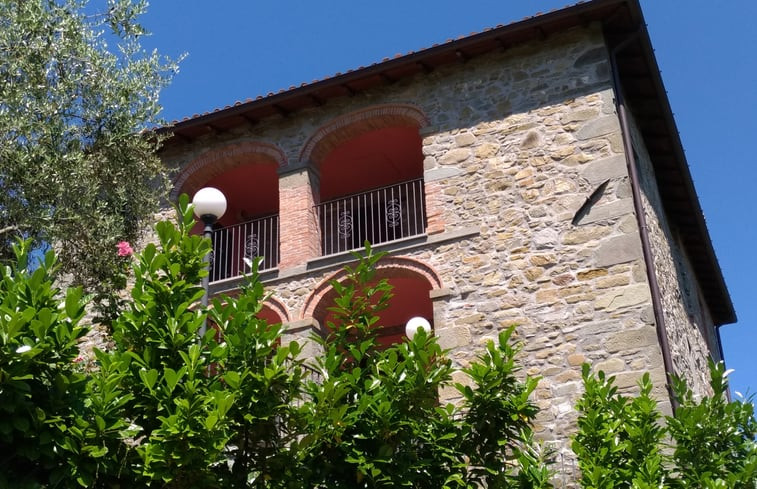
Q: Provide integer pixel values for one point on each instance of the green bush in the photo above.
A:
(373, 417)
(623, 442)
(236, 407)
(41, 386)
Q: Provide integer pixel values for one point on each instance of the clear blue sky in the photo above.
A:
(240, 49)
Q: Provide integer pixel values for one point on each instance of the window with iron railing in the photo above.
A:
(235, 247)
(378, 216)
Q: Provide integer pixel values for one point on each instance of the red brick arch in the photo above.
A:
(272, 305)
(278, 308)
(349, 126)
(216, 161)
(388, 267)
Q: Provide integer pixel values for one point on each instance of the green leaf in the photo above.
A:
(171, 377)
(97, 452)
(149, 377)
(233, 379)
(211, 421)
(73, 302)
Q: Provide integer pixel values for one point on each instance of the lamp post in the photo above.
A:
(414, 324)
(209, 205)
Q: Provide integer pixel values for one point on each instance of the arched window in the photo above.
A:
(371, 177)
(247, 174)
(412, 283)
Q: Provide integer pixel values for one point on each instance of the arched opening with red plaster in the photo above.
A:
(412, 283)
(217, 166)
(371, 168)
(247, 174)
(274, 312)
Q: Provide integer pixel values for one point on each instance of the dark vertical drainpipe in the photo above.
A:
(662, 332)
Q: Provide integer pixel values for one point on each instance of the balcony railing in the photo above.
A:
(378, 216)
(234, 247)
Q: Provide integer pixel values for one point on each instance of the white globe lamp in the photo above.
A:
(415, 324)
(209, 204)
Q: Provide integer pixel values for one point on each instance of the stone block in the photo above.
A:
(603, 169)
(610, 366)
(587, 297)
(620, 249)
(585, 234)
(626, 380)
(592, 274)
(608, 211)
(455, 336)
(576, 359)
(441, 173)
(631, 339)
(613, 281)
(486, 150)
(561, 280)
(543, 260)
(591, 330)
(524, 173)
(546, 238)
(626, 297)
(601, 126)
(568, 375)
(580, 115)
(532, 273)
(549, 296)
(465, 139)
(567, 389)
(454, 156)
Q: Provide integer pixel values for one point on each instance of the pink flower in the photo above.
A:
(124, 249)
(78, 359)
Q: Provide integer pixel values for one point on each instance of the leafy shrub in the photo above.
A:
(619, 439)
(373, 417)
(714, 440)
(622, 442)
(41, 387)
(237, 408)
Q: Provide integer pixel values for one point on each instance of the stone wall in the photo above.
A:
(691, 332)
(516, 143)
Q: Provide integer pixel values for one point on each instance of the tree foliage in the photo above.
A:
(75, 172)
(622, 442)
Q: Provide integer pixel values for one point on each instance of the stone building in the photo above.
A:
(530, 174)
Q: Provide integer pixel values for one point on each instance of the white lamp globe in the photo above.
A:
(209, 201)
(414, 324)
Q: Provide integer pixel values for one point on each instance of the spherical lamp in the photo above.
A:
(209, 204)
(416, 323)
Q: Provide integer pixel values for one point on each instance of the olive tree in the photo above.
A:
(77, 92)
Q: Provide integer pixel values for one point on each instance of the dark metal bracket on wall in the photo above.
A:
(590, 201)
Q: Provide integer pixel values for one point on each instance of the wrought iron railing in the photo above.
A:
(378, 216)
(235, 247)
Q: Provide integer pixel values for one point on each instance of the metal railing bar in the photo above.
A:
(250, 239)
(416, 180)
(381, 215)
